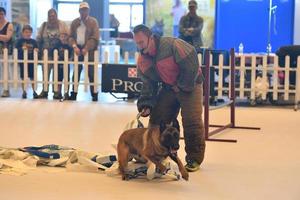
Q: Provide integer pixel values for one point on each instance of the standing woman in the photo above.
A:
(6, 33)
(48, 36)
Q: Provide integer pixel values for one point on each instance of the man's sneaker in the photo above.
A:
(192, 166)
(73, 96)
(5, 93)
(24, 95)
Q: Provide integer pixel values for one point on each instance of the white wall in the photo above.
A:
(39, 12)
(297, 23)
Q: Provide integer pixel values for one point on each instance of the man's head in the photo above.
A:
(84, 10)
(141, 35)
(193, 6)
(27, 31)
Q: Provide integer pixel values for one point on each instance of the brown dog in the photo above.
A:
(149, 144)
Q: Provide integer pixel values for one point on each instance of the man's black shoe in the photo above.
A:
(95, 97)
(73, 96)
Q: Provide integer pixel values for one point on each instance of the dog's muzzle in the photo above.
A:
(173, 150)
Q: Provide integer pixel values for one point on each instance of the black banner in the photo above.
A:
(120, 78)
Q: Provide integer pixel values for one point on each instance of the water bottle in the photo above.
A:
(269, 48)
(241, 49)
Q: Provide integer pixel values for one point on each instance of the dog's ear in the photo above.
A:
(175, 124)
(162, 126)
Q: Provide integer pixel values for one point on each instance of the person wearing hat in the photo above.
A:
(190, 26)
(84, 38)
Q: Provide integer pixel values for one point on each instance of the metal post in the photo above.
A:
(206, 93)
(232, 87)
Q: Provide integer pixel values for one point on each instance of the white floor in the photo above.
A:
(263, 164)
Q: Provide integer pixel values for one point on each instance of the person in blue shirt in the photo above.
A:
(29, 44)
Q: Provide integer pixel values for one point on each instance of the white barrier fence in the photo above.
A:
(10, 66)
(267, 86)
(264, 80)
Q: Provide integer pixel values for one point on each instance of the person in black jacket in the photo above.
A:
(29, 44)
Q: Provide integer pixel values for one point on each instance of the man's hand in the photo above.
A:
(84, 51)
(76, 50)
(188, 31)
(175, 89)
(145, 112)
(191, 29)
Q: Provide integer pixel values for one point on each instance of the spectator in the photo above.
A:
(6, 41)
(29, 44)
(114, 23)
(84, 39)
(158, 27)
(61, 45)
(191, 26)
(47, 35)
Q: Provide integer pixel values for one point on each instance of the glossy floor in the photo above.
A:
(261, 165)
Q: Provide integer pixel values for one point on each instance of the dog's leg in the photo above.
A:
(123, 155)
(184, 173)
(158, 164)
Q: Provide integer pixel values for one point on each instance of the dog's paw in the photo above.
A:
(185, 176)
(125, 177)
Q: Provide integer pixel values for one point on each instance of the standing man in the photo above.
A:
(190, 26)
(172, 80)
(84, 38)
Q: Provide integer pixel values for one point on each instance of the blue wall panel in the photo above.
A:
(246, 21)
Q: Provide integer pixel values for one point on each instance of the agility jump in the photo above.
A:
(231, 101)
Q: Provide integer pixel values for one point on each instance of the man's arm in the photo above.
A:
(148, 93)
(182, 30)
(73, 33)
(147, 99)
(186, 57)
(73, 36)
(93, 39)
(198, 28)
